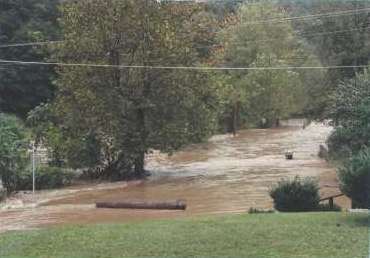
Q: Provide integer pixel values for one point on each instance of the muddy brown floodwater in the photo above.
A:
(225, 175)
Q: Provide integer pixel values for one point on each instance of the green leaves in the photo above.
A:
(130, 111)
(355, 179)
(268, 94)
(351, 114)
(22, 88)
(13, 147)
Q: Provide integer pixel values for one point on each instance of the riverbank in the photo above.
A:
(311, 235)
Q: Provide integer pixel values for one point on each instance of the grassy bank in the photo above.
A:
(264, 235)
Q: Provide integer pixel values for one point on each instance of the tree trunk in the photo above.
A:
(140, 165)
(235, 118)
(139, 162)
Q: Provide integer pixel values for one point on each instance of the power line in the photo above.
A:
(329, 14)
(297, 34)
(14, 62)
(261, 40)
(311, 16)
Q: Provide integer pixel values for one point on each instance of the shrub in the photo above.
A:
(296, 195)
(355, 179)
(13, 151)
(48, 178)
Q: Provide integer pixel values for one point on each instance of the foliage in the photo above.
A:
(125, 112)
(81, 151)
(296, 195)
(259, 93)
(337, 40)
(24, 87)
(276, 235)
(13, 151)
(351, 115)
(47, 178)
(355, 179)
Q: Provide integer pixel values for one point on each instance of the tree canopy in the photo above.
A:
(24, 87)
(129, 111)
(264, 94)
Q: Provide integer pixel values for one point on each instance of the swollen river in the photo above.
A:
(225, 175)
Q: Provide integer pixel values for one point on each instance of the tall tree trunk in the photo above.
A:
(140, 158)
(140, 164)
(235, 118)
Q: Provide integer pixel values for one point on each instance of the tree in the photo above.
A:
(131, 110)
(12, 151)
(268, 94)
(351, 116)
(24, 87)
(355, 179)
(337, 40)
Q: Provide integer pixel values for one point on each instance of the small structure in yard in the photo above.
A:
(331, 199)
(289, 155)
(170, 205)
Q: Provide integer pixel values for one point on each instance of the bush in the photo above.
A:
(355, 179)
(296, 195)
(47, 178)
(13, 151)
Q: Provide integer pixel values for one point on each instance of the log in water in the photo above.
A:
(171, 205)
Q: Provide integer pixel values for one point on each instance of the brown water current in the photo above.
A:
(225, 175)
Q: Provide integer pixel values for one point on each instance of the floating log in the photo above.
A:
(171, 205)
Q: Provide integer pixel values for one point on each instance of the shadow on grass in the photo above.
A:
(361, 221)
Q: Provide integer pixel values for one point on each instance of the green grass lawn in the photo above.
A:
(256, 235)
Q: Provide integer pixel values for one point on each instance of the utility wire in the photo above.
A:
(260, 40)
(15, 62)
(329, 14)
(311, 16)
(297, 34)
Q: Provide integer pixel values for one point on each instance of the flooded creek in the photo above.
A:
(225, 175)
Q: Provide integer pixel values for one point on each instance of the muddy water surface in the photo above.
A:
(226, 175)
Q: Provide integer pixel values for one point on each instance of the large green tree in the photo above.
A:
(351, 116)
(338, 39)
(24, 87)
(131, 110)
(252, 42)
